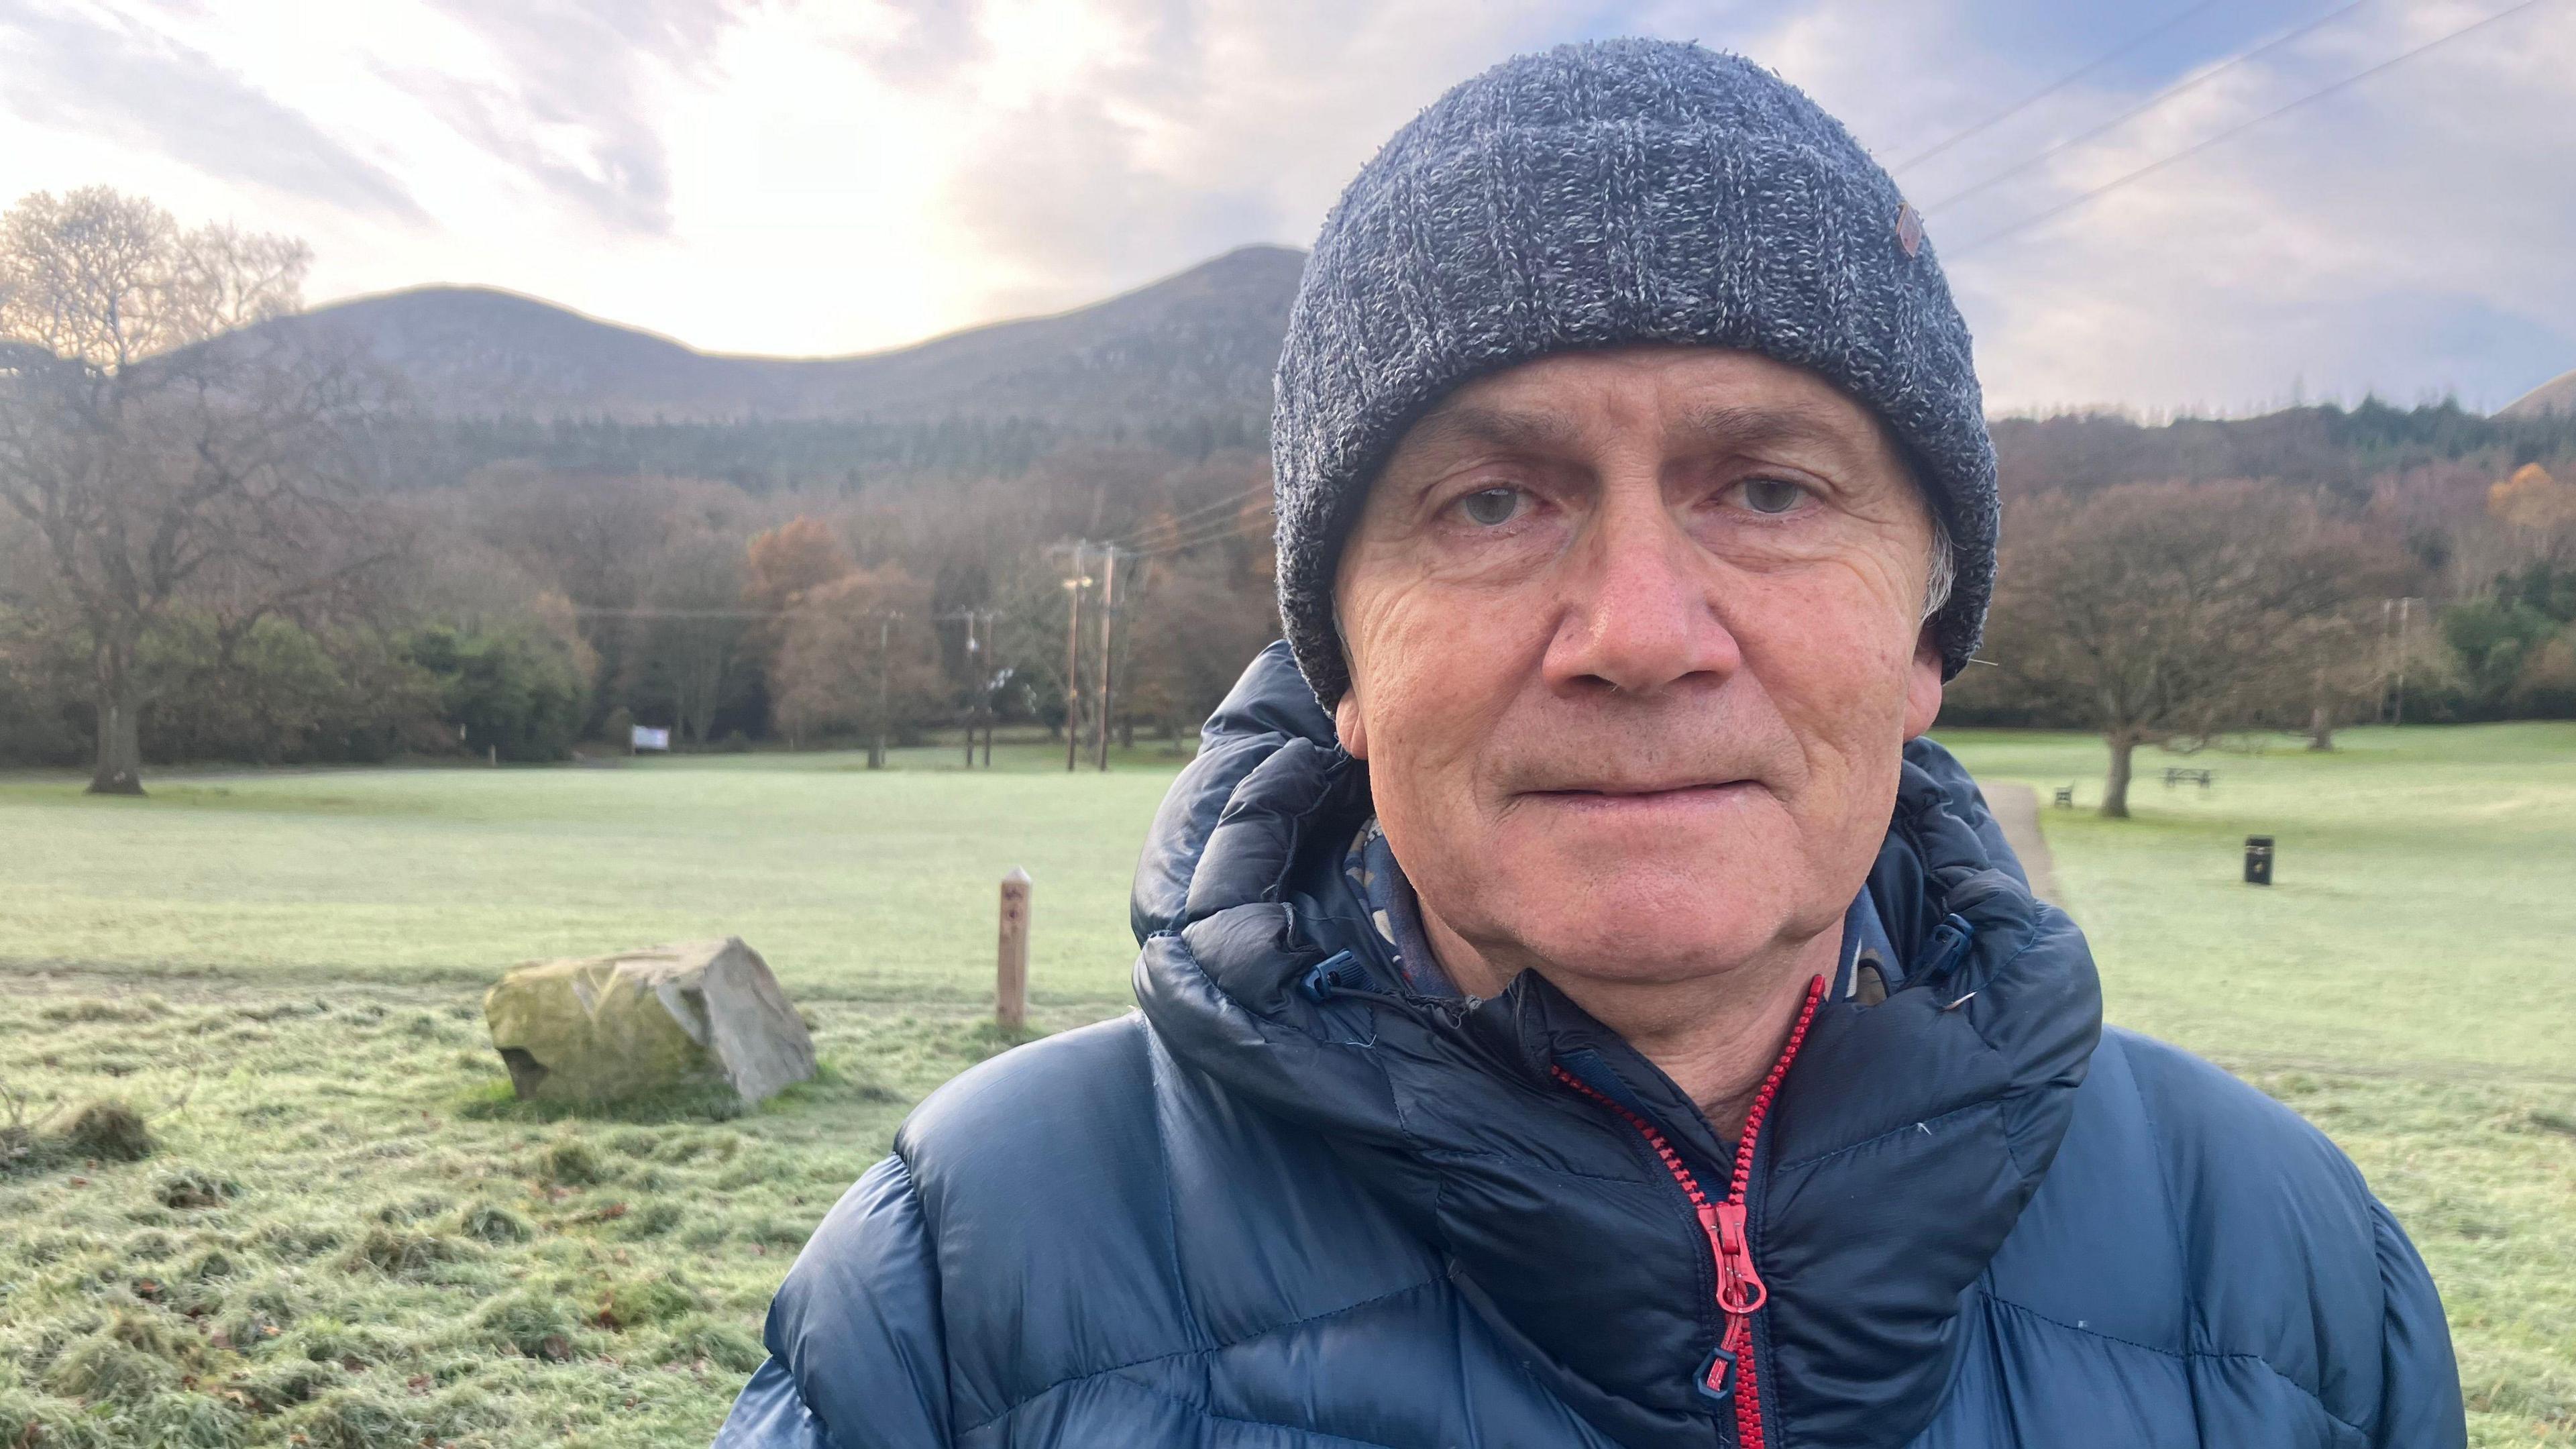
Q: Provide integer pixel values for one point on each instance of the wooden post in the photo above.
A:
(1108, 613)
(1011, 973)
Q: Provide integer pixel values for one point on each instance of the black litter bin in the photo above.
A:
(2258, 860)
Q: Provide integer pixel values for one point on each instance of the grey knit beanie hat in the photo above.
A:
(1613, 192)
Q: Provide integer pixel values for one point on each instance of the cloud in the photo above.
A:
(1163, 133)
(812, 176)
(114, 78)
(615, 174)
(573, 107)
(917, 44)
(1062, 194)
(2382, 239)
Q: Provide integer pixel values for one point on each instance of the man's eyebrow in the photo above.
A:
(1757, 426)
(1746, 426)
(1473, 425)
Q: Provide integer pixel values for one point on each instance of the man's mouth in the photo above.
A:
(1615, 794)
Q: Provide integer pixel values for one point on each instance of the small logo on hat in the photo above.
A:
(1909, 228)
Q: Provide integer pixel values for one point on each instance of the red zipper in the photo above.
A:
(1740, 1293)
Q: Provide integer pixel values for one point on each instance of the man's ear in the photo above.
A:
(1922, 684)
(1348, 724)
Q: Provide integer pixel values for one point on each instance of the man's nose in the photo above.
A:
(1638, 612)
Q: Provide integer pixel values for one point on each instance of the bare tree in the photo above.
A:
(2531, 499)
(157, 447)
(695, 646)
(592, 535)
(654, 565)
(1192, 633)
(791, 560)
(782, 567)
(856, 657)
(2170, 612)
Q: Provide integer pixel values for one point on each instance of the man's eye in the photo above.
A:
(1771, 495)
(1491, 506)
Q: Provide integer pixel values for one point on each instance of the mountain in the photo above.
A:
(2558, 395)
(1193, 348)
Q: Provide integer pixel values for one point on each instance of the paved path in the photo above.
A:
(2016, 809)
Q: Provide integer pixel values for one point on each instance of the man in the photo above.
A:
(1605, 1021)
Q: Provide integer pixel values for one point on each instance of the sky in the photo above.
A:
(815, 177)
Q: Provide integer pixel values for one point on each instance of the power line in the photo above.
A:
(1189, 517)
(2071, 203)
(1205, 531)
(1193, 540)
(601, 612)
(2158, 99)
(2052, 88)
(1205, 535)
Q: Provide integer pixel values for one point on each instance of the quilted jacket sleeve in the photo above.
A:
(2420, 1381)
(856, 1352)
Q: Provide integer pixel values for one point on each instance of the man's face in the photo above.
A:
(1635, 639)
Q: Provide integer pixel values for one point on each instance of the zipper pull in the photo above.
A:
(1338, 972)
(1739, 1286)
(1949, 944)
(1739, 1292)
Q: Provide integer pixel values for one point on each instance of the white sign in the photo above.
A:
(647, 739)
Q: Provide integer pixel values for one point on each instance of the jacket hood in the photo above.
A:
(1900, 1150)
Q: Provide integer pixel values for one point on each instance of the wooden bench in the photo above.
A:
(2065, 797)
(2175, 775)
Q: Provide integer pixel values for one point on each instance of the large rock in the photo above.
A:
(613, 1026)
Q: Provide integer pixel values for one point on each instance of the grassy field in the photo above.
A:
(346, 1234)
(848, 880)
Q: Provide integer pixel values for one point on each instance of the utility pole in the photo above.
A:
(2387, 663)
(2405, 612)
(975, 686)
(1073, 588)
(1108, 617)
(885, 659)
(979, 682)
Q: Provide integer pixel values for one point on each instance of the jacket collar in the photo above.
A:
(1902, 1148)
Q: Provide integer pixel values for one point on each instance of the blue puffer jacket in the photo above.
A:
(1259, 1214)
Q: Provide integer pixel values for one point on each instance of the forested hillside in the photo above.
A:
(2316, 566)
(1191, 350)
(449, 520)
